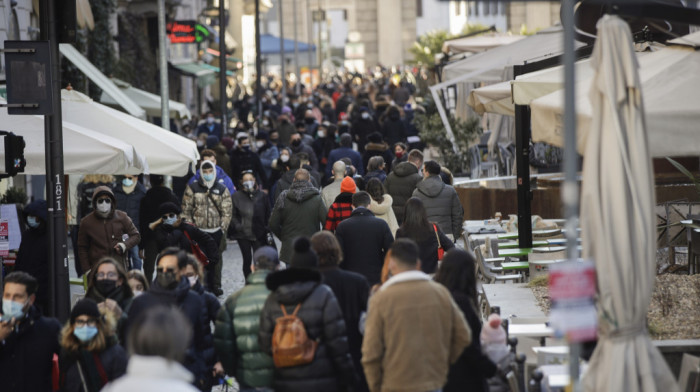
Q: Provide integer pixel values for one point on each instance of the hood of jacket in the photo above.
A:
(376, 146)
(293, 285)
(431, 186)
(405, 169)
(37, 208)
(100, 190)
(301, 191)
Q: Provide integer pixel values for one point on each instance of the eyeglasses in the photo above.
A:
(81, 323)
(170, 215)
(100, 201)
(109, 275)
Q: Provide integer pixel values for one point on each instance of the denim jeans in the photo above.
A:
(134, 260)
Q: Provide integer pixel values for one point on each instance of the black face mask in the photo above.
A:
(296, 142)
(106, 286)
(167, 280)
(309, 120)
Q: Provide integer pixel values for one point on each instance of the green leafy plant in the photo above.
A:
(427, 46)
(432, 131)
(100, 45)
(686, 172)
(14, 196)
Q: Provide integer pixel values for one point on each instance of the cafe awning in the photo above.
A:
(101, 80)
(148, 101)
(205, 76)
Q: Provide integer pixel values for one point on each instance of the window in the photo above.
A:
(419, 8)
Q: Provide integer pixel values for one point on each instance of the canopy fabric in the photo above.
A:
(488, 66)
(671, 89)
(217, 69)
(495, 98)
(479, 43)
(618, 220)
(269, 44)
(147, 101)
(84, 151)
(205, 76)
(166, 152)
(102, 81)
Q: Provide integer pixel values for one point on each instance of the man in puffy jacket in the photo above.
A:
(106, 231)
(207, 203)
(172, 230)
(402, 181)
(440, 200)
(301, 286)
(238, 325)
(221, 175)
(129, 193)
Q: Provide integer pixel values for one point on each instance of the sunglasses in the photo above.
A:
(170, 215)
(101, 201)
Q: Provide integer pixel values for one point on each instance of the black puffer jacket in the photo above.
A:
(251, 212)
(148, 211)
(332, 368)
(33, 255)
(441, 203)
(400, 184)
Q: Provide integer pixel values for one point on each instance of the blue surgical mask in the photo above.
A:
(32, 222)
(170, 221)
(128, 182)
(209, 177)
(12, 309)
(85, 333)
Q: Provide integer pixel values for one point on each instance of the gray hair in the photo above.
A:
(375, 163)
(160, 332)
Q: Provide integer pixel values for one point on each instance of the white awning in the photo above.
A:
(102, 81)
(479, 43)
(147, 101)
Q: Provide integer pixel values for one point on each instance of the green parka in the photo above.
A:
(236, 334)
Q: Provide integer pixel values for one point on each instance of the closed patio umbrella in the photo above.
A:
(617, 220)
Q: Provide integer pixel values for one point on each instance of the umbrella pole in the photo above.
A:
(570, 191)
(59, 305)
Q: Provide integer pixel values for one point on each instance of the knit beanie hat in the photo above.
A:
(85, 306)
(169, 207)
(303, 256)
(266, 252)
(492, 332)
(347, 185)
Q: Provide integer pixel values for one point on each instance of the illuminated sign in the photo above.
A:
(186, 32)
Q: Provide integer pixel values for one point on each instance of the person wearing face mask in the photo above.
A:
(345, 151)
(172, 230)
(267, 152)
(362, 125)
(286, 125)
(221, 174)
(33, 254)
(90, 354)
(137, 282)
(210, 127)
(310, 124)
(129, 193)
(302, 127)
(243, 158)
(324, 144)
(193, 273)
(171, 288)
(28, 340)
(393, 129)
(105, 232)
(108, 287)
(207, 204)
(400, 154)
(251, 212)
(298, 145)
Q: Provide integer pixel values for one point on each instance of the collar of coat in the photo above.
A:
(291, 275)
(407, 276)
(362, 211)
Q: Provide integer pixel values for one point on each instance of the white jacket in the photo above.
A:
(152, 374)
(385, 212)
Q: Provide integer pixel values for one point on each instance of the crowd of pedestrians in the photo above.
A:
(347, 303)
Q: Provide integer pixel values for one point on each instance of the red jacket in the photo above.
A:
(339, 210)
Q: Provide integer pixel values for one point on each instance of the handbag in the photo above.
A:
(441, 251)
(197, 251)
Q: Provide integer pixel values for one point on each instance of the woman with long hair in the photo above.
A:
(381, 204)
(90, 354)
(109, 287)
(427, 235)
(457, 273)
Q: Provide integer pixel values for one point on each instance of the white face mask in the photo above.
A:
(104, 207)
(137, 293)
(259, 143)
(193, 280)
(284, 158)
(365, 115)
(321, 134)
